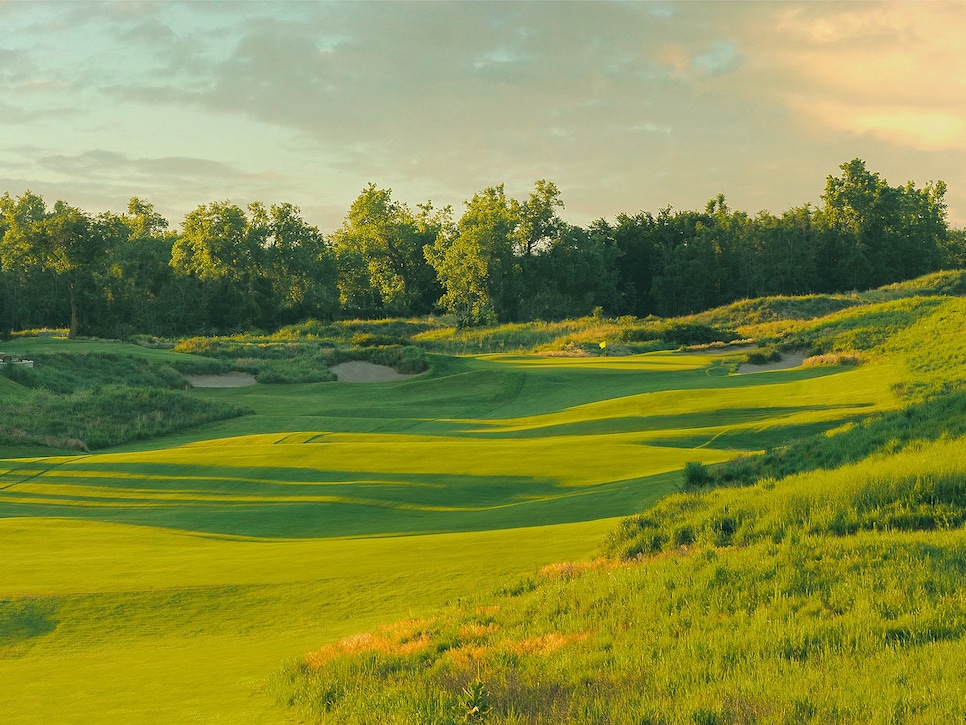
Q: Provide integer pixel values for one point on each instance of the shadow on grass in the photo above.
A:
(407, 505)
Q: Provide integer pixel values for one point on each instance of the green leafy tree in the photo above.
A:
(221, 249)
(576, 274)
(953, 250)
(141, 291)
(64, 241)
(297, 262)
(382, 267)
(476, 264)
(143, 221)
(538, 224)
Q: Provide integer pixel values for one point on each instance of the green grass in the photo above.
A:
(237, 530)
(115, 623)
(168, 580)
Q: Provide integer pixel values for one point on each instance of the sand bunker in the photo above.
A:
(358, 371)
(789, 360)
(228, 380)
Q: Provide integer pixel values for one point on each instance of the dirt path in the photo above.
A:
(358, 371)
(228, 380)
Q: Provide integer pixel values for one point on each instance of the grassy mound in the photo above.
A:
(819, 598)
(864, 629)
(105, 416)
(87, 400)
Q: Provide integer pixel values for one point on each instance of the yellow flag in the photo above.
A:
(603, 346)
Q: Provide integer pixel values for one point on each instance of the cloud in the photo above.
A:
(106, 164)
(923, 129)
(624, 105)
(17, 115)
(100, 180)
(885, 69)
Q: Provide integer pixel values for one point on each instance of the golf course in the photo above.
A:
(183, 578)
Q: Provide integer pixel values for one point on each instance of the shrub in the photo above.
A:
(695, 333)
(696, 476)
(763, 356)
(678, 333)
(103, 416)
(367, 339)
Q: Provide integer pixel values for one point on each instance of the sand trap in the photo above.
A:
(228, 380)
(789, 360)
(359, 371)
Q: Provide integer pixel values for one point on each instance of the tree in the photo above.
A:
(475, 264)
(297, 262)
(143, 221)
(382, 267)
(64, 241)
(219, 247)
(141, 291)
(538, 224)
(875, 233)
(576, 274)
(538, 229)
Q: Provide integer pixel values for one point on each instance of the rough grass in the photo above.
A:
(91, 398)
(865, 629)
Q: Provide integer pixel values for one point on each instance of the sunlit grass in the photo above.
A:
(136, 624)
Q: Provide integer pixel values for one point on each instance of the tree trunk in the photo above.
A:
(73, 313)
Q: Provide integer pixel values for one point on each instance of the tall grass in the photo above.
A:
(68, 372)
(273, 360)
(92, 400)
(865, 629)
(105, 416)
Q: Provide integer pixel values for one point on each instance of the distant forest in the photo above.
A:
(232, 269)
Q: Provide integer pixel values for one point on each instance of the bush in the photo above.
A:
(408, 359)
(696, 476)
(763, 356)
(104, 416)
(367, 339)
(695, 333)
(678, 333)
(67, 372)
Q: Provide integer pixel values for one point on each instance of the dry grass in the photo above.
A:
(400, 638)
(543, 644)
(568, 569)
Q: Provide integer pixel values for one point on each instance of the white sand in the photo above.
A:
(359, 371)
(228, 380)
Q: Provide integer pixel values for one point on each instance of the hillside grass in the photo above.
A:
(823, 584)
(866, 629)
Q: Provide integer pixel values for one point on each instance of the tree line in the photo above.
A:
(504, 259)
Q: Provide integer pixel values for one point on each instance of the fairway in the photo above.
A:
(166, 582)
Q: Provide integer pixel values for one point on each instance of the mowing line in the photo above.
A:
(40, 461)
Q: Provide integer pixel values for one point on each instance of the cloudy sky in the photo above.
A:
(625, 105)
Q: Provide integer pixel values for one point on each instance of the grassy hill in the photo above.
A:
(828, 595)
(414, 532)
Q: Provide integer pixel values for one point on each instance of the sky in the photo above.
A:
(625, 106)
